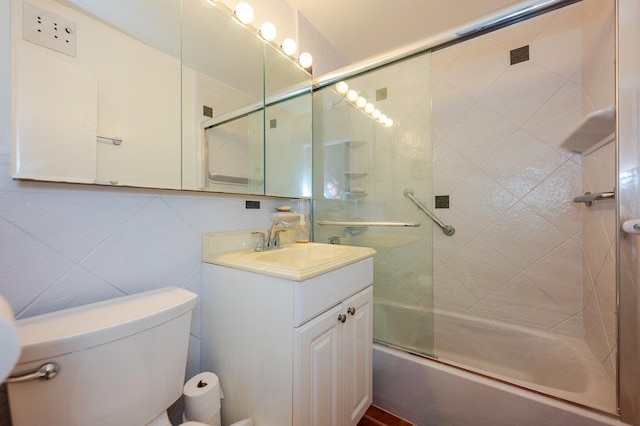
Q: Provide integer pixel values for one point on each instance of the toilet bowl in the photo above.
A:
(120, 361)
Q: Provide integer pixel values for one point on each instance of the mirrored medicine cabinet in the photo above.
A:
(142, 93)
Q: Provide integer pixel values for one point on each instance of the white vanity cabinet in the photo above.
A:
(290, 352)
(332, 364)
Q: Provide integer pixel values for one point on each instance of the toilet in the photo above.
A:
(119, 362)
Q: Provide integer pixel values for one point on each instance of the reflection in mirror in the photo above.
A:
(287, 126)
(222, 76)
(130, 104)
(288, 147)
(234, 155)
(283, 77)
(120, 80)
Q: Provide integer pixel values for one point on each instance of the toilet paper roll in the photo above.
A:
(245, 422)
(202, 395)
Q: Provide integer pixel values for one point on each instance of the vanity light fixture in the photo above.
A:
(305, 60)
(268, 31)
(289, 46)
(368, 108)
(243, 12)
(342, 88)
(352, 95)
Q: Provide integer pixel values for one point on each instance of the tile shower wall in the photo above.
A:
(599, 175)
(599, 295)
(63, 245)
(516, 256)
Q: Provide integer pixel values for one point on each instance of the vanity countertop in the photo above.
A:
(295, 261)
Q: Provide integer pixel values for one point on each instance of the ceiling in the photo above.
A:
(359, 29)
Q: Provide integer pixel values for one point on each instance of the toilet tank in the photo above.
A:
(122, 361)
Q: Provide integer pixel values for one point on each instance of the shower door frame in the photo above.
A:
(627, 146)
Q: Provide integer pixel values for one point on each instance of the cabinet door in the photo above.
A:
(357, 358)
(317, 389)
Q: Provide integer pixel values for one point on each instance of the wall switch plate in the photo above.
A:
(48, 29)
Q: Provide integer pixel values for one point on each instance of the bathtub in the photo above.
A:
(481, 373)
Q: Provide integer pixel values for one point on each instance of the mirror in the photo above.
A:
(223, 97)
(234, 155)
(94, 104)
(288, 127)
(224, 93)
(288, 147)
(136, 103)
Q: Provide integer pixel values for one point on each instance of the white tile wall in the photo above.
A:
(600, 307)
(516, 255)
(64, 245)
(599, 174)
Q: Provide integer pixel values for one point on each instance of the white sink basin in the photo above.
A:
(294, 261)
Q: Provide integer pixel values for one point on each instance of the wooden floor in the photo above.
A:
(377, 417)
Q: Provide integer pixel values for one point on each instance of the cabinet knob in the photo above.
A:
(342, 317)
(351, 310)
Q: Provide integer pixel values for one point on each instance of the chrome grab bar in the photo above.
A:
(45, 372)
(115, 141)
(363, 224)
(588, 198)
(447, 229)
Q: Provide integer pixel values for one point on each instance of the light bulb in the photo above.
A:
(388, 122)
(342, 87)
(361, 102)
(305, 60)
(368, 108)
(268, 31)
(289, 46)
(244, 12)
(352, 95)
(382, 118)
(376, 113)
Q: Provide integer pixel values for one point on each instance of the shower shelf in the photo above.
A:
(355, 175)
(592, 129)
(347, 142)
(354, 195)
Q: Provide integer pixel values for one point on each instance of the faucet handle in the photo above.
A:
(276, 239)
(261, 240)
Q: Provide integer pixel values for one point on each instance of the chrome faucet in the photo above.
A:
(272, 239)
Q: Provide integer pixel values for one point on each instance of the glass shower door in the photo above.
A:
(371, 144)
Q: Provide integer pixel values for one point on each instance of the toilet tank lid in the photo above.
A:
(61, 332)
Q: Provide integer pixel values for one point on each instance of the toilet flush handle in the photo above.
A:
(44, 372)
